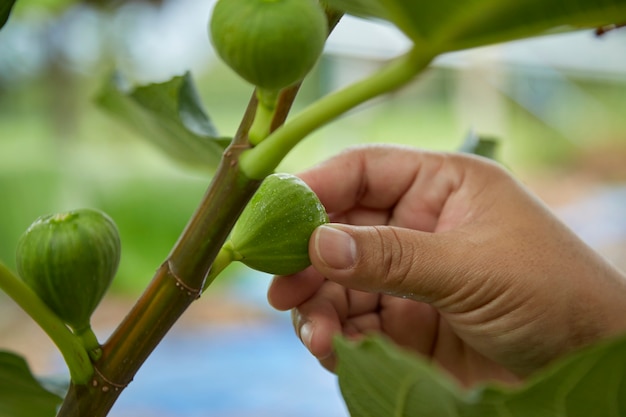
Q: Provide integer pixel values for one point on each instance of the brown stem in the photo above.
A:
(179, 280)
(177, 283)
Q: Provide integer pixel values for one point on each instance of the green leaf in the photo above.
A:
(378, 379)
(494, 21)
(479, 145)
(5, 11)
(448, 25)
(21, 395)
(170, 115)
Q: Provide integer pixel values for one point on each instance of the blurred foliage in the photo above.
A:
(171, 116)
(100, 163)
(480, 145)
(377, 378)
(21, 395)
(5, 11)
(449, 25)
(59, 151)
(59, 6)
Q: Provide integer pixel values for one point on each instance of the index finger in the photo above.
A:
(384, 177)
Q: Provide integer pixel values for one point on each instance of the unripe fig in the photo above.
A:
(69, 260)
(272, 234)
(270, 43)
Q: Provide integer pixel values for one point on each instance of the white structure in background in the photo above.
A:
(149, 43)
(156, 42)
(358, 47)
(580, 51)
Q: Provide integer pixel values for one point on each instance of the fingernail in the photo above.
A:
(306, 333)
(335, 247)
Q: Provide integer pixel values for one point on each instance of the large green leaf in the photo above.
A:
(378, 379)
(5, 11)
(447, 25)
(170, 115)
(21, 395)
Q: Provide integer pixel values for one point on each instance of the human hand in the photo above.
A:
(449, 256)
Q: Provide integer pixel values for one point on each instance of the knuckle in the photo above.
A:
(396, 260)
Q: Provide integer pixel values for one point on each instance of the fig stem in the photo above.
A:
(90, 342)
(224, 257)
(70, 345)
(263, 116)
(261, 160)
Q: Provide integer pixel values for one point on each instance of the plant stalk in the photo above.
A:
(179, 280)
(261, 160)
(266, 106)
(177, 283)
(225, 257)
(70, 345)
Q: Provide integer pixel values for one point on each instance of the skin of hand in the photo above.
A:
(451, 257)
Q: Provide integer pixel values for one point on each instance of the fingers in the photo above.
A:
(319, 319)
(478, 257)
(378, 178)
(287, 292)
(324, 310)
(314, 310)
(390, 260)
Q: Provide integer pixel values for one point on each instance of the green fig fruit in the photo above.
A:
(69, 260)
(270, 43)
(272, 234)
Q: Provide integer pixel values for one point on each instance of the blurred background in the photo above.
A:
(556, 104)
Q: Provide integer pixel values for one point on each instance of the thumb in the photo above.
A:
(386, 259)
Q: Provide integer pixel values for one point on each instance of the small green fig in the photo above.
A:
(69, 260)
(270, 43)
(272, 234)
